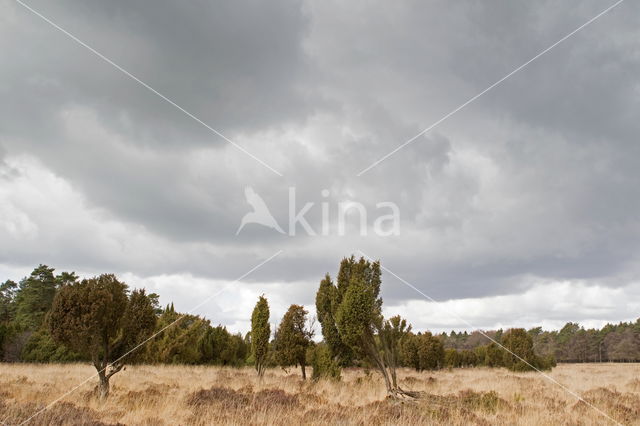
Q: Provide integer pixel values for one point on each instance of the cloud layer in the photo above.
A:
(529, 191)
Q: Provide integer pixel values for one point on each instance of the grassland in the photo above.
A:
(199, 395)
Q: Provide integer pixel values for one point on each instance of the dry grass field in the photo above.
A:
(199, 395)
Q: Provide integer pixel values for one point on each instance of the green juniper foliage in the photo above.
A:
(356, 315)
(260, 333)
(292, 339)
(97, 318)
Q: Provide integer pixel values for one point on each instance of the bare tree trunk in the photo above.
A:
(392, 371)
(389, 374)
(304, 373)
(260, 367)
(375, 356)
(103, 385)
(105, 371)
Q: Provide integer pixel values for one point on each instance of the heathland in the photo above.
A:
(177, 368)
(199, 395)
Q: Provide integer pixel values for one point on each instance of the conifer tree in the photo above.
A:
(519, 355)
(97, 318)
(260, 333)
(293, 338)
(356, 313)
(34, 297)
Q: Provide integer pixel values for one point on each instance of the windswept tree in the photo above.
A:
(390, 337)
(98, 319)
(356, 315)
(292, 339)
(260, 333)
(329, 297)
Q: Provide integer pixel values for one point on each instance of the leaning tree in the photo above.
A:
(98, 318)
(351, 317)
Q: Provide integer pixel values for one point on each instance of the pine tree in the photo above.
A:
(7, 301)
(34, 297)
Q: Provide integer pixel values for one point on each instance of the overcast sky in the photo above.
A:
(521, 209)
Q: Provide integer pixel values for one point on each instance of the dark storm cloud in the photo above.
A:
(538, 178)
(235, 65)
(566, 206)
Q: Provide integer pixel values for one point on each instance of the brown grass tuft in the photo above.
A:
(275, 398)
(225, 397)
(62, 413)
(634, 384)
(624, 408)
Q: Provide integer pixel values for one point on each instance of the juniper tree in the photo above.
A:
(409, 351)
(430, 352)
(260, 333)
(98, 319)
(323, 364)
(452, 358)
(519, 354)
(179, 338)
(356, 313)
(328, 300)
(218, 346)
(293, 338)
(423, 351)
(390, 335)
(493, 355)
(327, 303)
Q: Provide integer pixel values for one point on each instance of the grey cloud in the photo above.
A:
(234, 66)
(536, 178)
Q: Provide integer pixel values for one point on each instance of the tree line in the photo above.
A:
(572, 343)
(48, 317)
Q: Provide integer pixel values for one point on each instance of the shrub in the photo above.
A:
(324, 366)
(451, 358)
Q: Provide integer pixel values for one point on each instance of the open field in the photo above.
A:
(151, 395)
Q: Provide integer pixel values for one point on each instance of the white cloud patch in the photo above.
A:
(546, 304)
